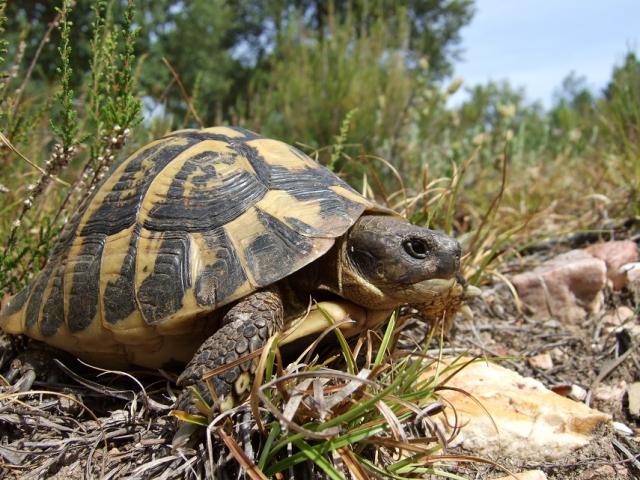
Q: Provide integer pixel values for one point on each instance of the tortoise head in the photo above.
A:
(386, 262)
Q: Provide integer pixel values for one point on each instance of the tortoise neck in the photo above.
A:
(338, 275)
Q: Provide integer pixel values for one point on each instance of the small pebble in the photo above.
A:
(634, 399)
(622, 428)
(542, 361)
(577, 393)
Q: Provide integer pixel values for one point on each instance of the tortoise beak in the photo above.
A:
(448, 257)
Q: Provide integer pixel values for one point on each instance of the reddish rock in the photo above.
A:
(567, 287)
(615, 254)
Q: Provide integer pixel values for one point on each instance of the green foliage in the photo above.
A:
(3, 43)
(65, 123)
(89, 128)
(316, 81)
(621, 113)
(209, 26)
(122, 106)
(228, 44)
(341, 138)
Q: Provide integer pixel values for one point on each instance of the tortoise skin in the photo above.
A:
(187, 224)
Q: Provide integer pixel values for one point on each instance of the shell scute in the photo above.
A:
(118, 276)
(116, 205)
(161, 292)
(53, 309)
(84, 281)
(221, 275)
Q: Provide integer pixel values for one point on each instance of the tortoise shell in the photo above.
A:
(185, 225)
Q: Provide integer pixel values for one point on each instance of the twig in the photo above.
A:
(183, 92)
(10, 146)
(34, 61)
(633, 458)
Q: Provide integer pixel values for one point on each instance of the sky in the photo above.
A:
(537, 43)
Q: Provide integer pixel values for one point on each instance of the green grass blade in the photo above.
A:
(318, 459)
(264, 455)
(385, 340)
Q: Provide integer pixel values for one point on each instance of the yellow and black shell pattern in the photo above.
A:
(186, 224)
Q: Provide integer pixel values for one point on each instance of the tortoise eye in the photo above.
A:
(416, 247)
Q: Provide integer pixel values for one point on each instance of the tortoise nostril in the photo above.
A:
(457, 250)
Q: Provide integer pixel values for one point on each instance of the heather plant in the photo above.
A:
(58, 142)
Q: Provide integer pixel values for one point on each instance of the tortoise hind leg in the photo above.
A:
(246, 327)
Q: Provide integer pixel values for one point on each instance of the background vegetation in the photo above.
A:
(362, 86)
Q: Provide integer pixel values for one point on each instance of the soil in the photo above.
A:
(104, 425)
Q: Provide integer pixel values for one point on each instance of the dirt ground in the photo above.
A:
(115, 425)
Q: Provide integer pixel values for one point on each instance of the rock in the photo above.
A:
(615, 254)
(619, 316)
(577, 393)
(634, 399)
(608, 397)
(632, 270)
(622, 429)
(574, 392)
(567, 287)
(531, 422)
(542, 361)
(526, 475)
(558, 355)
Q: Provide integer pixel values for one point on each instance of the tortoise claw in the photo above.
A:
(20, 376)
(26, 368)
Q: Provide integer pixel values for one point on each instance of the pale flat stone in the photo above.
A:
(622, 428)
(615, 254)
(526, 475)
(634, 399)
(567, 287)
(531, 422)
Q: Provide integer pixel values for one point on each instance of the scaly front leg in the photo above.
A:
(245, 328)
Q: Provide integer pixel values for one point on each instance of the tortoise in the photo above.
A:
(204, 243)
